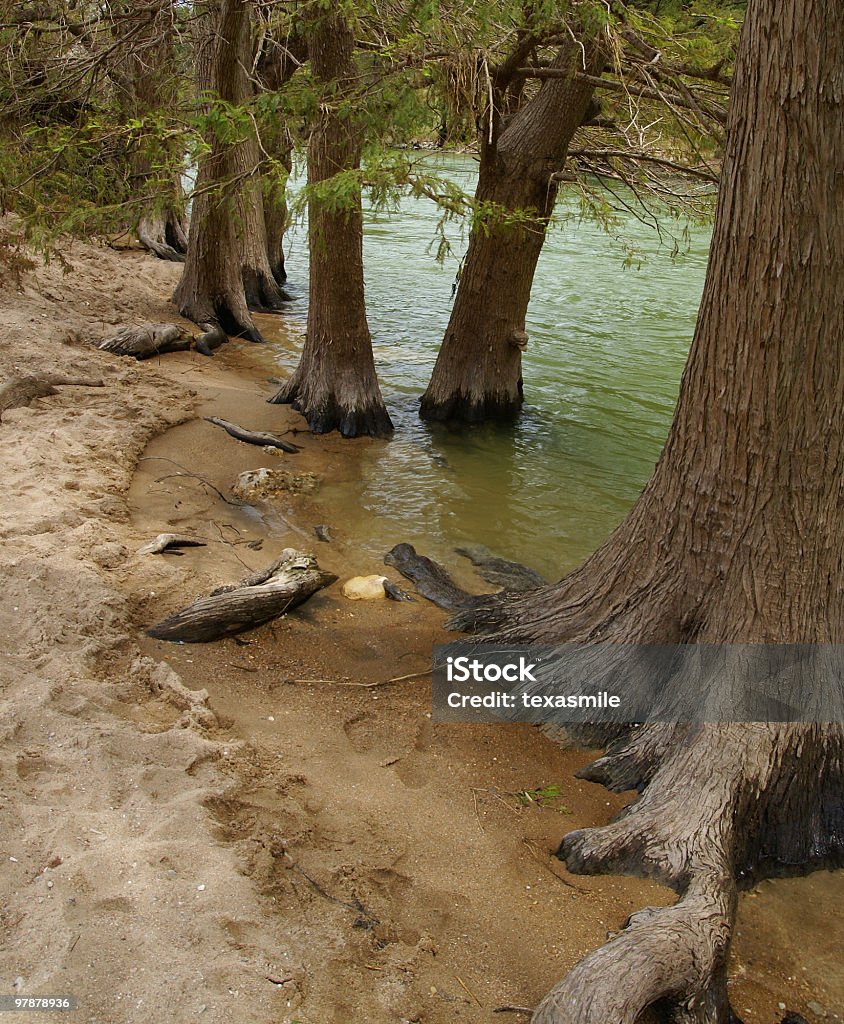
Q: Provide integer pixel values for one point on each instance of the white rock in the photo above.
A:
(364, 588)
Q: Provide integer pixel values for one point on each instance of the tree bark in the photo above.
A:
(228, 270)
(335, 386)
(478, 372)
(147, 86)
(737, 538)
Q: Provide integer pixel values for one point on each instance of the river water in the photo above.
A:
(607, 348)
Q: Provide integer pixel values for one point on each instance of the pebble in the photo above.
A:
(364, 588)
(816, 1008)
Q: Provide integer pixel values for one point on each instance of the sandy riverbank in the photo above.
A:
(297, 846)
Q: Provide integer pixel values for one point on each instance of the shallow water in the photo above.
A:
(601, 377)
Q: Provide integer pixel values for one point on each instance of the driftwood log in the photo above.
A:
(20, 391)
(148, 340)
(265, 440)
(264, 595)
(501, 572)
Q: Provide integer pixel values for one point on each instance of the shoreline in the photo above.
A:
(295, 846)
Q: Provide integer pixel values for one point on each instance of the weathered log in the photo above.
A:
(264, 595)
(213, 338)
(20, 391)
(432, 581)
(265, 440)
(501, 571)
(148, 340)
(165, 541)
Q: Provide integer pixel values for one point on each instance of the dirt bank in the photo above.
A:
(298, 846)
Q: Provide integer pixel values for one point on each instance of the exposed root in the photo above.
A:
(164, 235)
(263, 293)
(674, 956)
(722, 805)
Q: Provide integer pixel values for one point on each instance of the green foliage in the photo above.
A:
(547, 797)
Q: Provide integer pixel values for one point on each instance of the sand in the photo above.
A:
(245, 830)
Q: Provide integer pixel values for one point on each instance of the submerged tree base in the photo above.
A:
(263, 292)
(356, 414)
(458, 407)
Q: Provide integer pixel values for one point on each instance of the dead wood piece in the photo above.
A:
(20, 391)
(253, 436)
(147, 340)
(432, 581)
(395, 592)
(165, 541)
(264, 595)
(500, 571)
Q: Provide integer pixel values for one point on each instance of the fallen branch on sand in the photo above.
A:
(253, 436)
(164, 541)
(264, 595)
(20, 391)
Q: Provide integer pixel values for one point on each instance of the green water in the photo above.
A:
(607, 348)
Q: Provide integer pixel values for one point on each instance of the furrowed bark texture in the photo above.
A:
(737, 538)
(478, 372)
(227, 271)
(277, 63)
(335, 386)
(146, 83)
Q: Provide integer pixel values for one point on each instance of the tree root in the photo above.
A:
(164, 236)
(722, 805)
(20, 391)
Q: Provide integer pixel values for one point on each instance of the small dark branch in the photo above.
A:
(265, 440)
(654, 56)
(634, 156)
(503, 73)
(613, 85)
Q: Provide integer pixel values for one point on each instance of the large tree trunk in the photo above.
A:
(228, 271)
(146, 85)
(335, 386)
(478, 373)
(737, 538)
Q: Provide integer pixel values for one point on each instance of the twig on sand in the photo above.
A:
(466, 989)
(514, 1009)
(545, 862)
(365, 686)
(253, 436)
(194, 476)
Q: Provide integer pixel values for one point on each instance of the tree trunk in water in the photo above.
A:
(228, 271)
(149, 84)
(737, 538)
(335, 386)
(275, 207)
(478, 372)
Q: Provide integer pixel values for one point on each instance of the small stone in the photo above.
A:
(816, 1008)
(364, 588)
